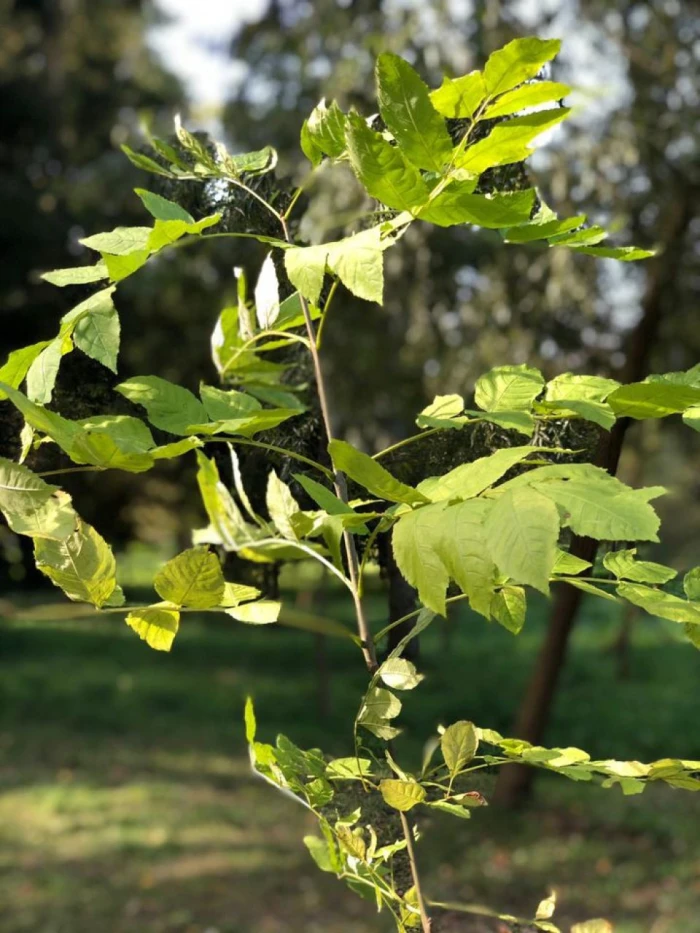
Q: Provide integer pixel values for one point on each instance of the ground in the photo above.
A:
(127, 802)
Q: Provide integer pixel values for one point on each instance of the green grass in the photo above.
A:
(127, 802)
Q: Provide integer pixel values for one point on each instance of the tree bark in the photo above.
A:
(514, 783)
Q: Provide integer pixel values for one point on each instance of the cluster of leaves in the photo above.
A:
(491, 527)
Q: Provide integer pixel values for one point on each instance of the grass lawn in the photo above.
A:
(126, 801)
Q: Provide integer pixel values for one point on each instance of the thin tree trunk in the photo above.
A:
(514, 783)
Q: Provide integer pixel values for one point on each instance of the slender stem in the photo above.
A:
(339, 484)
(246, 442)
(324, 315)
(78, 469)
(406, 441)
(408, 835)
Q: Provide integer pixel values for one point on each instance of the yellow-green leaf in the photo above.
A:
(156, 625)
(401, 795)
(192, 578)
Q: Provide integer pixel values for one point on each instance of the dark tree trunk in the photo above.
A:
(514, 783)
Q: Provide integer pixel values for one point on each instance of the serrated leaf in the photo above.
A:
(168, 406)
(625, 566)
(521, 533)
(82, 564)
(459, 744)
(156, 625)
(508, 388)
(457, 204)
(97, 335)
(528, 95)
(401, 795)
(510, 141)
(404, 103)
(400, 674)
(518, 61)
(658, 603)
(460, 98)
(119, 242)
(370, 474)
(192, 578)
(382, 168)
(415, 540)
(469, 479)
(78, 275)
(323, 133)
(262, 612)
(596, 508)
(162, 209)
(21, 489)
(41, 375)
(508, 606)
(652, 399)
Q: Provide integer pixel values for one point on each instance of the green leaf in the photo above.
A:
(250, 722)
(129, 433)
(458, 205)
(382, 168)
(540, 230)
(21, 489)
(691, 416)
(237, 593)
(79, 275)
(469, 479)
(99, 448)
(169, 406)
(508, 607)
(595, 508)
(33, 507)
(370, 474)
(623, 253)
(82, 564)
(443, 412)
(579, 238)
(248, 425)
(691, 583)
(225, 516)
(121, 267)
(222, 405)
(509, 141)
(41, 375)
(569, 386)
(156, 625)
(658, 603)
(120, 242)
(522, 531)
(176, 449)
(145, 162)
(625, 567)
(415, 540)
(162, 209)
(378, 708)
(459, 743)
(528, 95)
(567, 563)
(404, 103)
(592, 926)
(454, 809)
(508, 388)
(192, 578)
(262, 612)
(166, 232)
(460, 98)
(250, 163)
(349, 768)
(323, 497)
(597, 412)
(399, 674)
(281, 505)
(401, 795)
(18, 363)
(518, 61)
(97, 335)
(586, 587)
(652, 399)
(520, 421)
(59, 429)
(323, 133)
(321, 854)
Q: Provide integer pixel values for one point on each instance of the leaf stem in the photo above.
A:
(408, 836)
(78, 469)
(324, 315)
(406, 441)
(246, 442)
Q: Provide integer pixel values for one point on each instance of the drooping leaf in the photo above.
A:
(48, 422)
(625, 566)
(658, 603)
(382, 169)
(508, 388)
(404, 103)
(567, 563)
(508, 606)
(82, 564)
(281, 505)
(168, 406)
(41, 375)
(378, 708)
(459, 743)
(157, 625)
(521, 532)
(370, 474)
(401, 795)
(457, 204)
(226, 519)
(267, 295)
(518, 61)
(192, 578)
(97, 335)
(16, 367)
